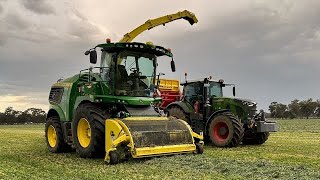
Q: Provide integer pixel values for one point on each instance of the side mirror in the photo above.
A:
(234, 90)
(93, 57)
(173, 66)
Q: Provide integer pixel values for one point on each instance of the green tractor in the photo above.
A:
(110, 110)
(226, 122)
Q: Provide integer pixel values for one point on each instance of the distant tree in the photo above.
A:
(272, 109)
(278, 110)
(11, 116)
(281, 110)
(308, 107)
(2, 118)
(294, 109)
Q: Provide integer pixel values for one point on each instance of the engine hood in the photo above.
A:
(246, 102)
(243, 101)
(243, 108)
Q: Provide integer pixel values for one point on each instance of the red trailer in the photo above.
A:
(169, 91)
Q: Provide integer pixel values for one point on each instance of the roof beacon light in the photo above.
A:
(221, 80)
(149, 43)
(108, 40)
(169, 49)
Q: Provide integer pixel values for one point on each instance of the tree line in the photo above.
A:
(296, 109)
(31, 115)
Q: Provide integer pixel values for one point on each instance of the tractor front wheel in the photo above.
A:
(54, 136)
(88, 131)
(225, 130)
(251, 138)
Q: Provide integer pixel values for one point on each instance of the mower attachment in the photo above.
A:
(140, 137)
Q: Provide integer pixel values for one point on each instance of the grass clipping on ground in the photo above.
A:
(293, 152)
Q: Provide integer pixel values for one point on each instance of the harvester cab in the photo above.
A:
(225, 121)
(110, 111)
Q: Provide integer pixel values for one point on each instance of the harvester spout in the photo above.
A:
(151, 23)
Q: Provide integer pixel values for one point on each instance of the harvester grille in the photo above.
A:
(56, 94)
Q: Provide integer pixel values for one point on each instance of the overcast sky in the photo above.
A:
(269, 49)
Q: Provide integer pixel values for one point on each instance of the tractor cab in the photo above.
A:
(199, 92)
(129, 68)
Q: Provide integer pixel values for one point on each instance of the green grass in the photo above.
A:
(294, 152)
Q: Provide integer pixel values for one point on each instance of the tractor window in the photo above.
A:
(215, 89)
(135, 74)
(192, 91)
(106, 59)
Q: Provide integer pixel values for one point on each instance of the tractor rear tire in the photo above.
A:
(225, 130)
(177, 112)
(88, 131)
(54, 136)
(251, 138)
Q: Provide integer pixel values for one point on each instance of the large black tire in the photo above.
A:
(95, 117)
(55, 134)
(178, 113)
(225, 130)
(251, 138)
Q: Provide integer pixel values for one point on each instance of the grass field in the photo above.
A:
(293, 152)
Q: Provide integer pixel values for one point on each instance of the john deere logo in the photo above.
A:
(140, 100)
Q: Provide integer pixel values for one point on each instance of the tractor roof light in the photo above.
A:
(108, 40)
(221, 81)
(149, 43)
(169, 49)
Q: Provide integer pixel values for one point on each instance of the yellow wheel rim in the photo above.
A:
(84, 132)
(52, 136)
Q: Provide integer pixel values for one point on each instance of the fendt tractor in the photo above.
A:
(226, 122)
(110, 110)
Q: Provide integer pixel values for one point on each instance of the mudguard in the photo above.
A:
(187, 108)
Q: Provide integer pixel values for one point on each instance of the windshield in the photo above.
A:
(215, 89)
(135, 74)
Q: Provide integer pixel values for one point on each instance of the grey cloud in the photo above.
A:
(82, 28)
(38, 6)
(15, 21)
(3, 37)
(1, 9)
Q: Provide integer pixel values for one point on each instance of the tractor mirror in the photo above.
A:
(234, 90)
(173, 66)
(93, 57)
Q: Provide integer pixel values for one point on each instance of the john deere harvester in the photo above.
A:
(226, 122)
(109, 110)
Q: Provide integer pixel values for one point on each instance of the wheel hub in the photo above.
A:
(223, 131)
(52, 136)
(84, 132)
(220, 131)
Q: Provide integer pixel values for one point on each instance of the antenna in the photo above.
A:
(185, 77)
